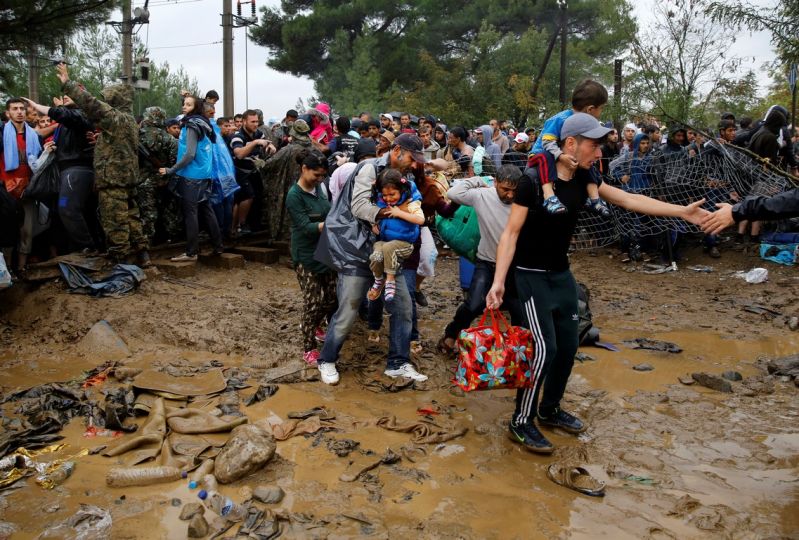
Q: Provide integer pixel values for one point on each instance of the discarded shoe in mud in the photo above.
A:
(714, 382)
(576, 478)
(643, 367)
(366, 461)
(263, 392)
(653, 345)
(249, 449)
(268, 494)
(342, 447)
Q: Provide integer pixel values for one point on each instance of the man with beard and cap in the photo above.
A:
(157, 149)
(116, 165)
(347, 233)
(279, 173)
(75, 158)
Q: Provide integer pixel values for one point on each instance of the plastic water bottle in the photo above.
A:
(223, 506)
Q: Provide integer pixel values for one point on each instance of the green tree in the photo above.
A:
(781, 21)
(32, 29)
(680, 62)
(462, 61)
(95, 57)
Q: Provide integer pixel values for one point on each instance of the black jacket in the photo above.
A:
(72, 147)
(782, 206)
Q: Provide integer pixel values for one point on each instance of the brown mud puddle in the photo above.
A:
(680, 462)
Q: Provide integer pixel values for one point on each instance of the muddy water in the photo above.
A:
(653, 441)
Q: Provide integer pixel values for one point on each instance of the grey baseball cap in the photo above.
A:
(584, 125)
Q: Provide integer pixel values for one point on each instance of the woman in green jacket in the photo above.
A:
(307, 204)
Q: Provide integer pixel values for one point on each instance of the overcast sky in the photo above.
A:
(188, 33)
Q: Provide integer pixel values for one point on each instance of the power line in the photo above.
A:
(188, 45)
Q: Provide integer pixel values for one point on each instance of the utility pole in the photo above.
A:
(227, 58)
(563, 32)
(127, 43)
(617, 65)
(33, 73)
(792, 76)
(125, 29)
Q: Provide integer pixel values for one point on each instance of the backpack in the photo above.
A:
(587, 332)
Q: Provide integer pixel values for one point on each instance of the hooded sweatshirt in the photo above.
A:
(116, 160)
(765, 142)
(634, 165)
(671, 147)
(492, 150)
(321, 129)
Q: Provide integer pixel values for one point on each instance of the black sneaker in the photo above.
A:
(421, 299)
(563, 420)
(528, 436)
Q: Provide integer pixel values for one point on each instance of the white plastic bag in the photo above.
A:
(5, 275)
(756, 275)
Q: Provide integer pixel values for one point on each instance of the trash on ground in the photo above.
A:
(701, 268)
(577, 479)
(122, 280)
(653, 345)
(88, 523)
(755, 275)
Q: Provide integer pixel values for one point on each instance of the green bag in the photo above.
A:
(461, 232)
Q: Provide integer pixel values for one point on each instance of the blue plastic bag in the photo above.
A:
(224, 174)
(784, 253)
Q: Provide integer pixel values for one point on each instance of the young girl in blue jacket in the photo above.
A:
(397, 233)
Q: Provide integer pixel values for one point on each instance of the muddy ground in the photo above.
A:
(679, 461)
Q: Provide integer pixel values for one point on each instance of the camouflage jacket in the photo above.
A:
(116, 162)
(157, 148)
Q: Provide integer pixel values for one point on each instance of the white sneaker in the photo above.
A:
(405, 370)
(184, 258)
(328, 372)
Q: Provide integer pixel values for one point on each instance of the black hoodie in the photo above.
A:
(764, 142)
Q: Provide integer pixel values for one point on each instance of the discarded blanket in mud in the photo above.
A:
(190, 436)
(424, 432)
(121, 281)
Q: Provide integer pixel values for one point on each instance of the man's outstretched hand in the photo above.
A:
(62, 74)
(694, 213)
(719, 220)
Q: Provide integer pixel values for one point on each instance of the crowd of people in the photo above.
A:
(358, 197)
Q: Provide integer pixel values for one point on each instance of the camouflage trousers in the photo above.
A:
(160, 210)
(119, 217)
(318, 302)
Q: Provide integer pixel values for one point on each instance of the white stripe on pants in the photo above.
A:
(539, 357)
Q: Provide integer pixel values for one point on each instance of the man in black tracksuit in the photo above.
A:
(544, 283)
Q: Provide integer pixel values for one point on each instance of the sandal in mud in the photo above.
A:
(375, 290)
(576, 478)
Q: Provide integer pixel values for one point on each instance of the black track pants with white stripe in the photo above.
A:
(549, 300)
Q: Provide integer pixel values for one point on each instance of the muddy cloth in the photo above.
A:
(201, 384)
(88, 523)
(423, 432)
(653, 345)
(292, 428)
(124, 278)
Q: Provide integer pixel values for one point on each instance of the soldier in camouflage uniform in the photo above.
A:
(279, 173)
(116, 165)
(157, 149)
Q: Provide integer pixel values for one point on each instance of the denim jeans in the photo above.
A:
(475, 303)
(375, 318)
(224, 215)
(350, 290)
